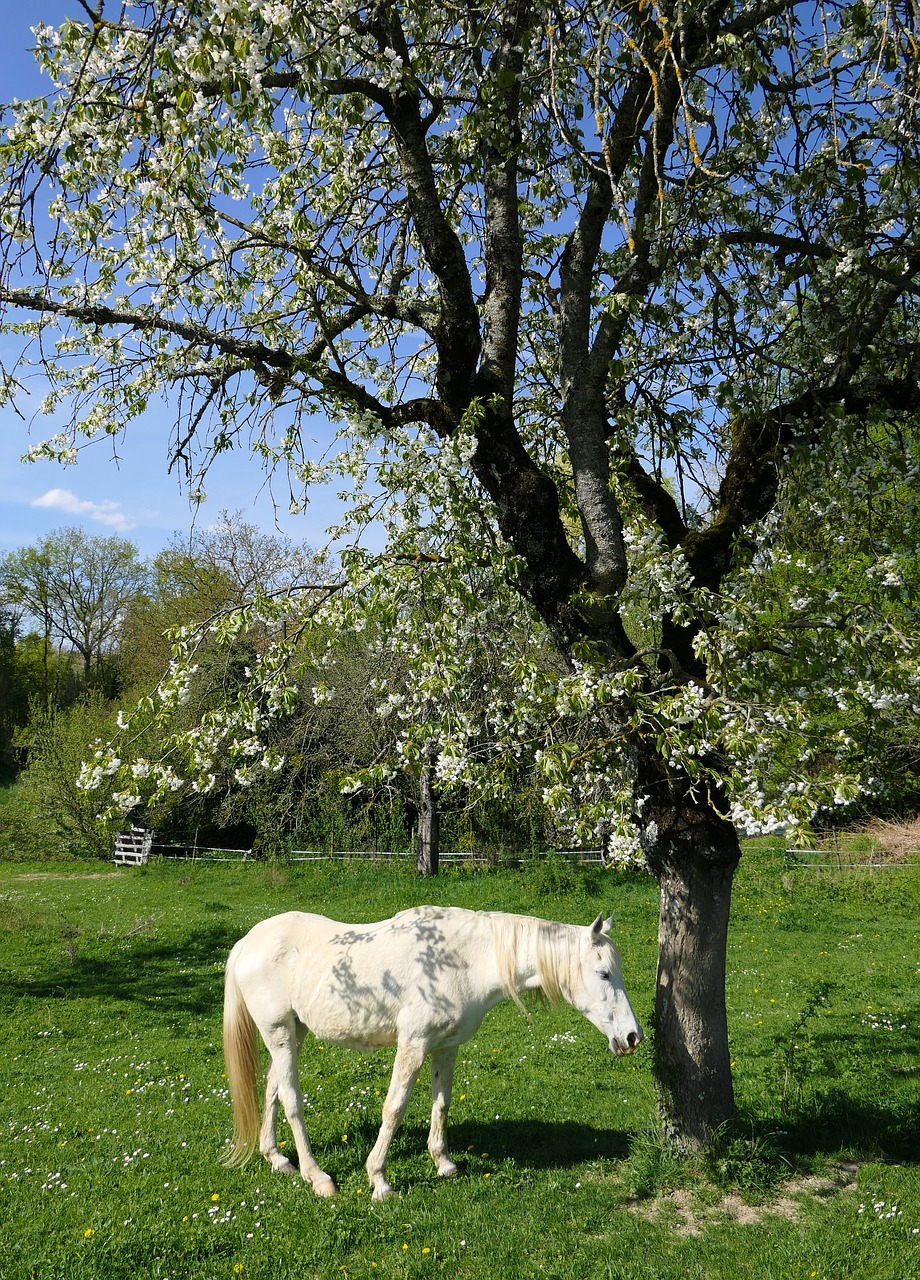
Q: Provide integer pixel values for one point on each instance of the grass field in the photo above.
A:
(113, 1105)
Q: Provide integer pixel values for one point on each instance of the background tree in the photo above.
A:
(550, 268)
(13, 696)
(200, 577)
(444, 649)
(78, 587)
(197, 583)
(25, 594)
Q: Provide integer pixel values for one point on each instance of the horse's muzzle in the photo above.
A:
(633, 1040)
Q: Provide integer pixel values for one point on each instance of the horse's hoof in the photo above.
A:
(383, 1193)
(282, 1165)
(325, 1187)
(447, 1169)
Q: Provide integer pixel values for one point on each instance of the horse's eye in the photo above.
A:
(604, 975)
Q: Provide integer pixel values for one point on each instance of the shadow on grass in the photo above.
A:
(870, 1131)
(531, 1144)
(540, 1144)
(188, 978)
(855, 1091)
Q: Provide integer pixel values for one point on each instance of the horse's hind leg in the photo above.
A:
(408, 1063)
(284, 1083)
(442, 1079)
(268, 1142)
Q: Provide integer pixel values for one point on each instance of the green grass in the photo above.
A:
(113, 1106)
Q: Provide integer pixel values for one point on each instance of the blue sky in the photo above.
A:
(128, 493)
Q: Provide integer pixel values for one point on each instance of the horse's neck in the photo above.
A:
(524, 954)
(528, 955)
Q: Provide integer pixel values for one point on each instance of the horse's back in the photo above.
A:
(448, 927)
(416, 973)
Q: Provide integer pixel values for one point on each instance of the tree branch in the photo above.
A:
(748, 490)
(256, 353)
(458, 330)
(503, 248)
(657, 503)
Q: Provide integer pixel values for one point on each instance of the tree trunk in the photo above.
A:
(693, 853)
(692, 1062)
(426, 854)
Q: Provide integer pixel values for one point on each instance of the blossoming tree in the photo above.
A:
(577, 288)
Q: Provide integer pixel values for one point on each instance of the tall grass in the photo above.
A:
(113, 1106)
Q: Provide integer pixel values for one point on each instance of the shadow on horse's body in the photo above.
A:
(423, 981)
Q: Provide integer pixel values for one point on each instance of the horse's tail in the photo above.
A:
(241, 1055)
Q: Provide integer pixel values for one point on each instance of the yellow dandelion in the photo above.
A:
(426, 1249)
(88, 1233)
(215, 1198)
(238, 1269)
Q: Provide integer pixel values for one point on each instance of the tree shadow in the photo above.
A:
(183, 979)
(848, 1097)
(836, 1122)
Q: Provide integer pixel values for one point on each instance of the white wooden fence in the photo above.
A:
(132, 847)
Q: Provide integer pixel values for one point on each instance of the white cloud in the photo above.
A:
(105, 512)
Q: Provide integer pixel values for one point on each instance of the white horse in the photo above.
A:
(423, 981)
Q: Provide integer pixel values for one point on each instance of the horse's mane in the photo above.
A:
(555, 948)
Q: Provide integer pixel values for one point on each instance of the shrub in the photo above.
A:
(47, 815)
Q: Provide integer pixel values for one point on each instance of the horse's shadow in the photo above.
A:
(477, 1146)
(538, 1144)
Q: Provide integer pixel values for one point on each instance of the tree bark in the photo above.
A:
(693, 1066)
(693, 853)
(426, 854)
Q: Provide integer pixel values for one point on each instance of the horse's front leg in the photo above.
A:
(408, 1063)
(442, 1079)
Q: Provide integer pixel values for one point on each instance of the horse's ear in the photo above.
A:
(598, 926)
(608, 925)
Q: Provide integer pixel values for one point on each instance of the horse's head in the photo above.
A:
(599, 992)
